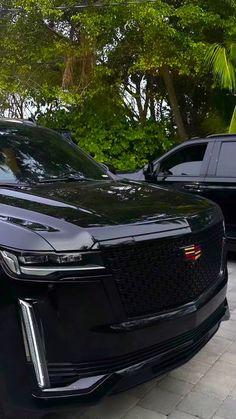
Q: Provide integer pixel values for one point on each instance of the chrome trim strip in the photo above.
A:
(81, 384)
(42, 271)
(34, 345)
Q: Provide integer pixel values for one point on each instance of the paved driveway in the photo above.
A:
(203, 388)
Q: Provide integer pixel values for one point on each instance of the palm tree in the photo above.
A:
(222, 60)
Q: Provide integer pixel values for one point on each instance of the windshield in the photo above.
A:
(37, 154)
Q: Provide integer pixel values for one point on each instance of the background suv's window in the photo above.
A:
(227, 160)
(185, 162)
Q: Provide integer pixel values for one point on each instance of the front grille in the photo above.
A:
(153, 276)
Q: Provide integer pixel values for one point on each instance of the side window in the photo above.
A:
(227, 160)
(185, 162)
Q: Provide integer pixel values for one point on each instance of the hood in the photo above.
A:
(95, 208)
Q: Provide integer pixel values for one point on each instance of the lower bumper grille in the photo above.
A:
(62, 374)
(153, 276)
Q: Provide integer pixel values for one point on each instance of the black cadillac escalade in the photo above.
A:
(104, 283)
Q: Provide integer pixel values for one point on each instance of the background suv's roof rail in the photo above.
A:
(221, 135)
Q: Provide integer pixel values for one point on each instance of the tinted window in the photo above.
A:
(35, 154)
(185, 162)
(227, 160)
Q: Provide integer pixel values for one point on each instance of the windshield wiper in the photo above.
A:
(14, 185)
(66, 178)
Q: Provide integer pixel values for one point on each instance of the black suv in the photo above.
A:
(204, 167)
(104, 283)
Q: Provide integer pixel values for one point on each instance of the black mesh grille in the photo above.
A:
(153, 276)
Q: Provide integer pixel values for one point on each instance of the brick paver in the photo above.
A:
(203, 388)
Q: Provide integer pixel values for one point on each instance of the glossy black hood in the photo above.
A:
(94, 209)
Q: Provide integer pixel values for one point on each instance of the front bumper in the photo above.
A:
(181, 336)
(173, 339)
(92, 389)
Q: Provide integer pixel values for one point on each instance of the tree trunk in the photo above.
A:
(78, 70)
(141, 109)
(169, 83)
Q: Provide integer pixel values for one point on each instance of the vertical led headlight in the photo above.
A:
(34, 344)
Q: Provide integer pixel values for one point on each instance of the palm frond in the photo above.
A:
(232, 49)
(219, 58)
(232, 128)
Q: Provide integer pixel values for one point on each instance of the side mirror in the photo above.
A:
(151, 171)
(148, 169)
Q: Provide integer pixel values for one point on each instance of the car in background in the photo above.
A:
(205, 167)
(105, 283)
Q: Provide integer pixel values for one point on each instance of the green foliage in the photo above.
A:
(100, 71)
(232, 127)
(126, 146)
(222, 59)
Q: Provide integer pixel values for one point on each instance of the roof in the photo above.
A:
(213, 136)
(221, 135)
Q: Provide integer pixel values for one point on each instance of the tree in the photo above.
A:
(222, 60)
(129, 80)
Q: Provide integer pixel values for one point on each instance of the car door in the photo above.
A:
(220, 182)
(185, 167)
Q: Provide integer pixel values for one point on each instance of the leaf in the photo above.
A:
(219, 58)
(232, 128)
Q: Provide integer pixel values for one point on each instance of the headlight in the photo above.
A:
(45, 264)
